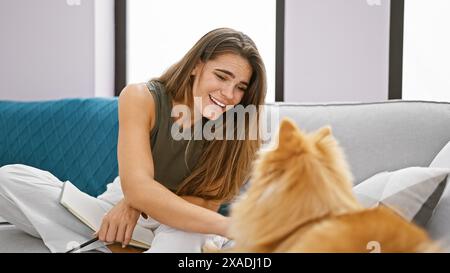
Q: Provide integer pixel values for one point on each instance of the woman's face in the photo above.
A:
(219, 83)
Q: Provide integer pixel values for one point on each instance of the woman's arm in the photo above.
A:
(213, 205)
(141, 191)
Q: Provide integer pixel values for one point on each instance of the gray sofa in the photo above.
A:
(375, 136)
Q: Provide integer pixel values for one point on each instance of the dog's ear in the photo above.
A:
(289, 135)
(287, 125)
(287, 129)
(323, 132)
(286, 133)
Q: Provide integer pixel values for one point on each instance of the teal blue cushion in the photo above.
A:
(74, 139)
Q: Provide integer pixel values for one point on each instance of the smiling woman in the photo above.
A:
(181, 183)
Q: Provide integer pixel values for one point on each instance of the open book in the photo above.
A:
(89, 210)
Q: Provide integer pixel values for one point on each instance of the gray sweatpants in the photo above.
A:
(29, 199)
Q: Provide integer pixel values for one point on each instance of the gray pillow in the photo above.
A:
(413, 192)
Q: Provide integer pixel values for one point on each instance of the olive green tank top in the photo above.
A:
(173, 159)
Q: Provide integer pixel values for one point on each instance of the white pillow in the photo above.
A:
(413, 192)
(442, 160)
(439, 224)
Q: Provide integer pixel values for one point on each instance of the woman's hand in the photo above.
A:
(118, 224)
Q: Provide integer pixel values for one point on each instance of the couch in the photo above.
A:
(75, 139)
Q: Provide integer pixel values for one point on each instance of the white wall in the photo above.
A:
(336, 50)
(50, 50)
(160, 32)
(426, 57)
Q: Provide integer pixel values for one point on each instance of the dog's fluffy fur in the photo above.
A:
(300, 200)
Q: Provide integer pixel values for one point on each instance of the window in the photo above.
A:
(426, 59)
(160, 32)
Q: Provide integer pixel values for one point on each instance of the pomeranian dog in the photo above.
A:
(300, 200)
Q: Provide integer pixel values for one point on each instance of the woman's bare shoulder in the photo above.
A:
(136, 91)
(135, 97)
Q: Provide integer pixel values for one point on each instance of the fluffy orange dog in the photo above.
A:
(301, 200)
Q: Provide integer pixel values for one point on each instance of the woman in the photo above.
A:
(174, 187)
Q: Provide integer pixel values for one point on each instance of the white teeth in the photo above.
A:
(217, 102)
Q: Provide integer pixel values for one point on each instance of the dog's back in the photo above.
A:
(370, 230)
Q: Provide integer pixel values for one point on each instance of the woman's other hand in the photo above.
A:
(118, 224)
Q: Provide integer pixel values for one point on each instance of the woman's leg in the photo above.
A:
(171, 240)
(29, 199)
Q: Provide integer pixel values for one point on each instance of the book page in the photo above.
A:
(89, 211)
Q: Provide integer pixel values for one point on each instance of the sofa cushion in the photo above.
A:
(413, 192)
(74, 139)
